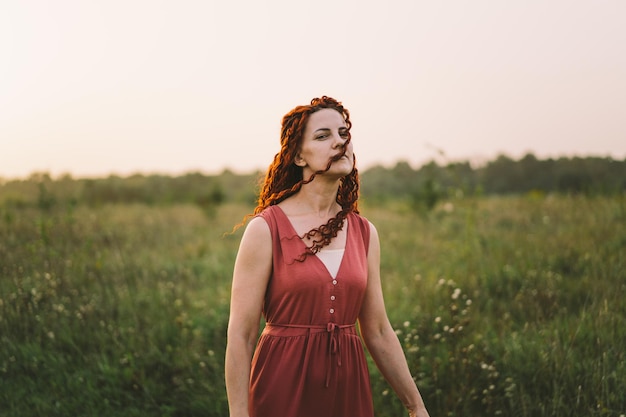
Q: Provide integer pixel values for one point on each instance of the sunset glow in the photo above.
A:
(93, 88)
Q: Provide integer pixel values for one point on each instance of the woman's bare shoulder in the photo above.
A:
(257, 229)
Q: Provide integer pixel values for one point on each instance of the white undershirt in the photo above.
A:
(332, 259)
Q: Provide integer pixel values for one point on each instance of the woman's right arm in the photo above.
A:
(253, 267)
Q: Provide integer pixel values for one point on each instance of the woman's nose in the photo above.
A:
(340, 141)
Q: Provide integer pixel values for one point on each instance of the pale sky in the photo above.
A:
(153, 86)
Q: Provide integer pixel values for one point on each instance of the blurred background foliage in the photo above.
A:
(422, 187)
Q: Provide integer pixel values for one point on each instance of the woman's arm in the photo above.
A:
(252, 270)
(380, 338)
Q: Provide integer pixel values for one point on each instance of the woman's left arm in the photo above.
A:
(380, 338)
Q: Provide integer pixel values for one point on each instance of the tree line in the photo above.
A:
(424, 185)
(503, 175)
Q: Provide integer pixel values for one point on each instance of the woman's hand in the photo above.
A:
(418, 412)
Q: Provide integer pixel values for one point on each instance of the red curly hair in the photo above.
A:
(284, 178)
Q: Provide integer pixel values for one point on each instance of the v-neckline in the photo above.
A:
(345, 248)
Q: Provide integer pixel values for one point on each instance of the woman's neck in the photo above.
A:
(319, 199)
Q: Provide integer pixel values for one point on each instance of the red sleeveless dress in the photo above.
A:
(309, 360)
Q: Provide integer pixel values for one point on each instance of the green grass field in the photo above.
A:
(510, 306)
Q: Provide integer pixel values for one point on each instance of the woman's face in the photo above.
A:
(324, 137)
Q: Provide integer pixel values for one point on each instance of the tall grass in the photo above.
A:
(511, 306)
(504, 306)
(115, 311)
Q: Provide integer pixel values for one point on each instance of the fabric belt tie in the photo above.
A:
(333, 330)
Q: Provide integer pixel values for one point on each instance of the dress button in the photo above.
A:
(332, 310)
(334, 282)
(332, 297)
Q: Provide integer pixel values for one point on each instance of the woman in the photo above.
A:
(309, 263)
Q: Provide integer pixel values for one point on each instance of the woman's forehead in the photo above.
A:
(325, 118)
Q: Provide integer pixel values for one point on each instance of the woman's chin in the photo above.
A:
(342, 167)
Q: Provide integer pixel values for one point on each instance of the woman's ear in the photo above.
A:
(299, 161)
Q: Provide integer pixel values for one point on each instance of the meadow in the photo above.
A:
(505, 306)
